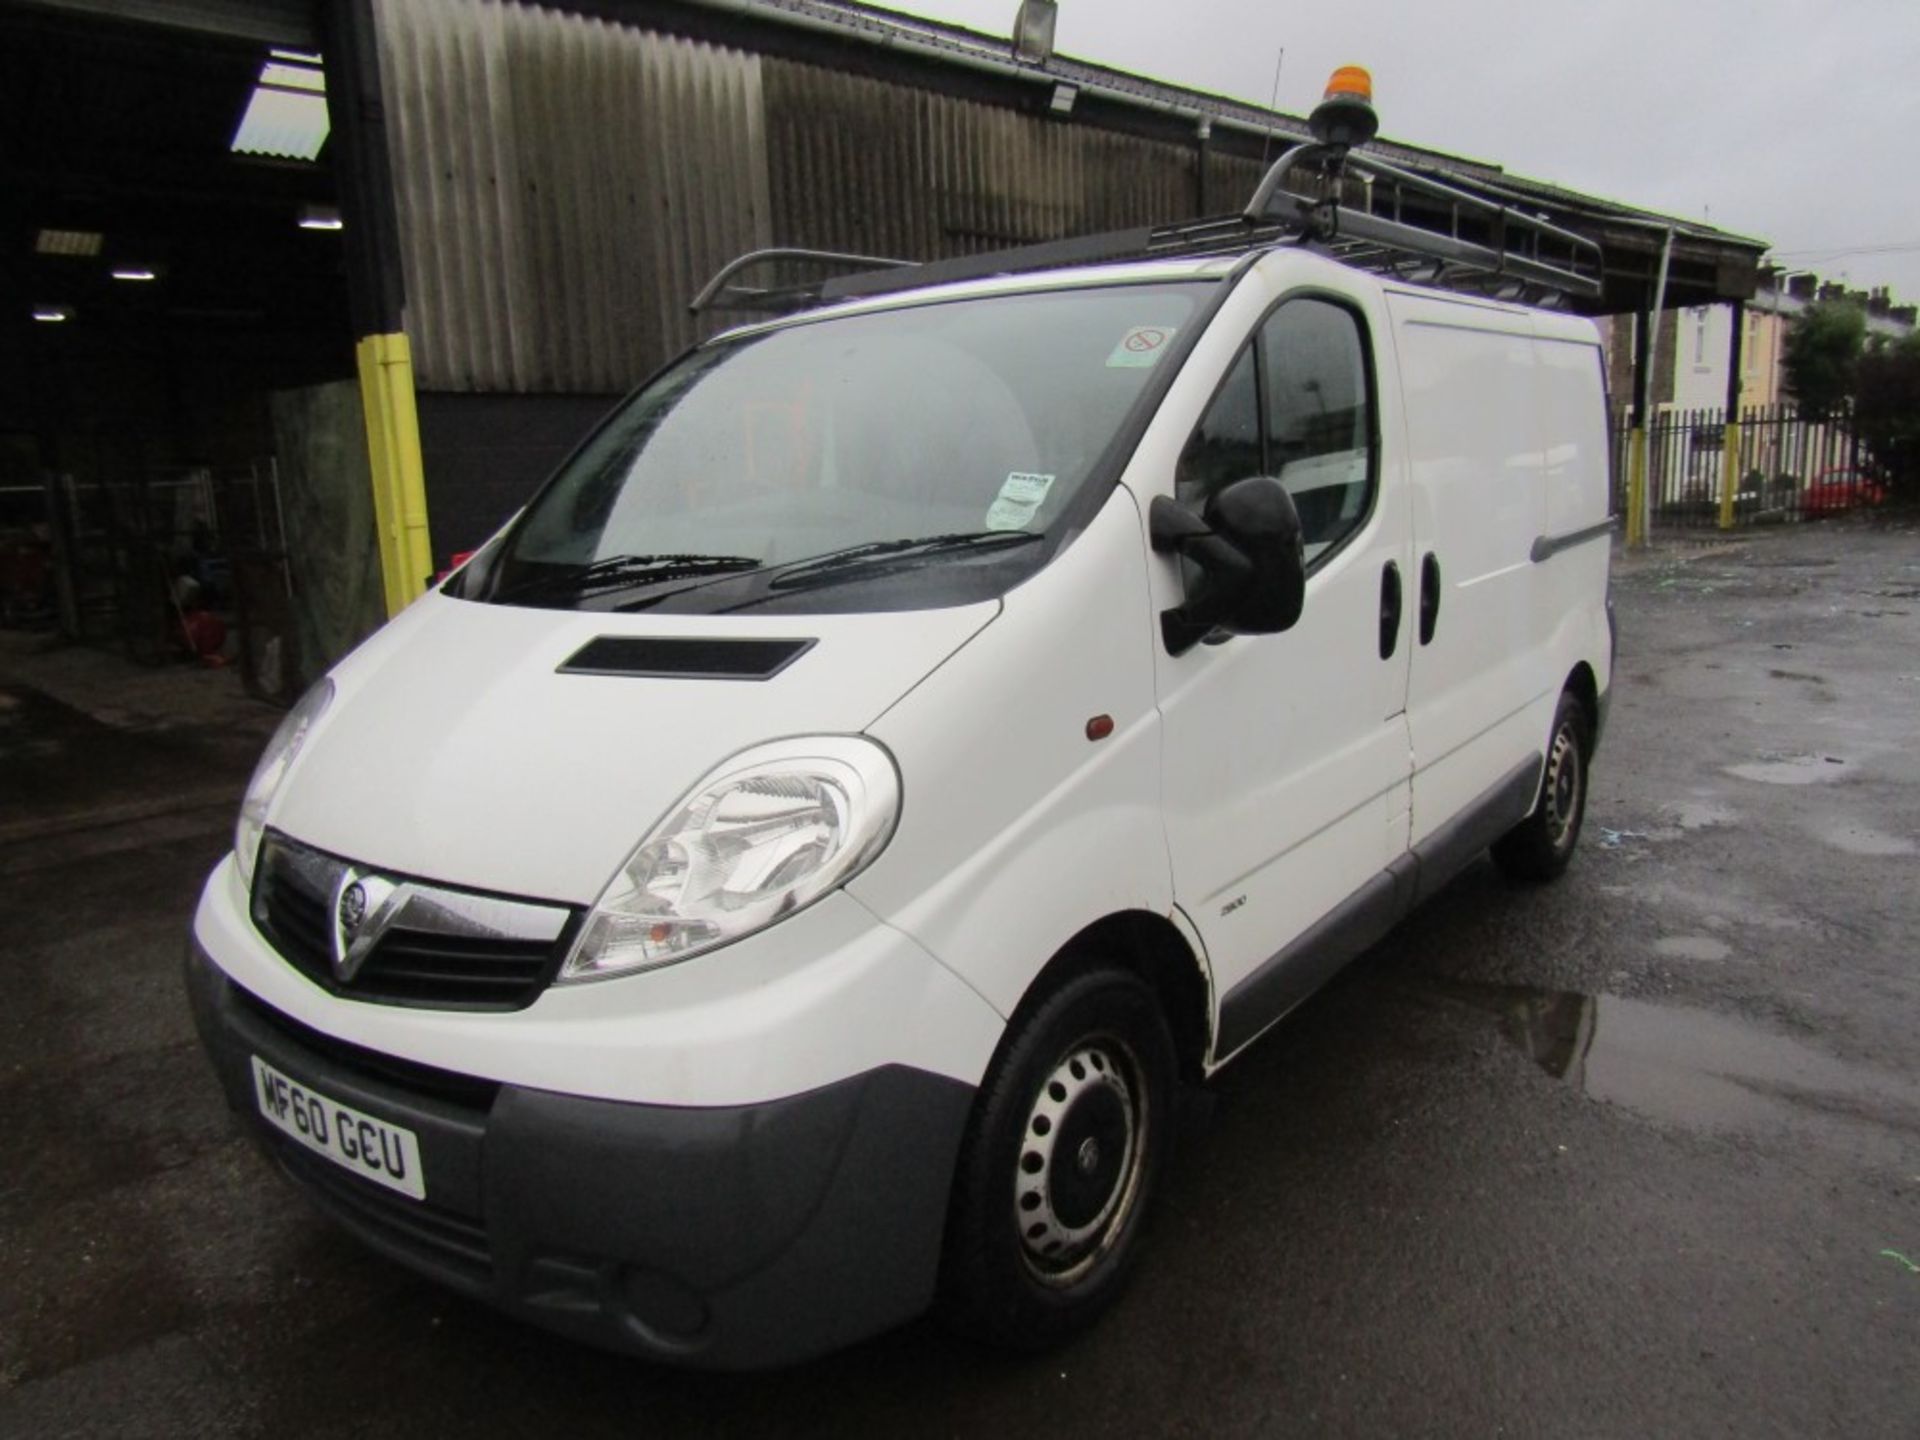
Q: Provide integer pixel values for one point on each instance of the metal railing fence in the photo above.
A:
(1786, 468)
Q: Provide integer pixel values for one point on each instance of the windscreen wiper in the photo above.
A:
(884, 555)
(618, 572)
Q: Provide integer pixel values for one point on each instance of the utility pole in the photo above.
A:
(376, 298)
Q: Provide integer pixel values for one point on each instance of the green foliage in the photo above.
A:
(1822, 350)
(1886, 398)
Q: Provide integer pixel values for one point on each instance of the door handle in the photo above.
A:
(1429, 596)
(1389, 610)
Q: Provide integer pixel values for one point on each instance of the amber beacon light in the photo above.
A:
(1345, 115)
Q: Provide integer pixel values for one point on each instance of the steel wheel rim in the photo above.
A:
(1093, 1082)
(1562, 791)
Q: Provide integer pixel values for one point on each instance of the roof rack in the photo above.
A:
(1318, 195)
(1414, 227)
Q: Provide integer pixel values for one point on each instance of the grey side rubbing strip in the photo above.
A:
(685, 658)
(1289, 977)
(1451, 848)
(1292, 975)
(1548, 546)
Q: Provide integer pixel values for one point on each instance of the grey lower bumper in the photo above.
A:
(733, 1237)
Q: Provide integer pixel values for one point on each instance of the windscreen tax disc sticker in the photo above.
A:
(1140, 347)
(1018, 501)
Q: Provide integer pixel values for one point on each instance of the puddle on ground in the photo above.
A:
(1691, 947)
(1865, 840)
(1710, 907)
(1676, 820)
(1793, 769)
(1701, 814)
(1685, 1066)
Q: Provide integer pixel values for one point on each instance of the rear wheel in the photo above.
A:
(1540, 846)
(1060, 1157)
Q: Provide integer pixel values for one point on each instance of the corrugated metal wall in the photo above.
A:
(884, 169)
(565, 183)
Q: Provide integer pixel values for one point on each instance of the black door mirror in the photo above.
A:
(1253, 569)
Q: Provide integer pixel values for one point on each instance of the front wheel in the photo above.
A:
(1060, 1157)
(1540, 846)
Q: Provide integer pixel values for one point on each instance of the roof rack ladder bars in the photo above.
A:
(720, 294)
(1517, 250)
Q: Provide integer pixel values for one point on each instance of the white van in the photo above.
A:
(781, 881)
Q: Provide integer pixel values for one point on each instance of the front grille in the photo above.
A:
(442, 1240)
(437, 947)
(423, 1082)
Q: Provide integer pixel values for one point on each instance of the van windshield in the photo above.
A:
(897, 459)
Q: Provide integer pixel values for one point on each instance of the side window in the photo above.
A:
(1319, 416)
(1225, 446)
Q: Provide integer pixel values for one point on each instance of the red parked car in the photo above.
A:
(1837, 490)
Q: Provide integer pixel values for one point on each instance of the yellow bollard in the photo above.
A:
(1636, 486)
(399, 479)
(1729, 473)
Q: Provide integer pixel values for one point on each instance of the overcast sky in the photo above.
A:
(1794, 121)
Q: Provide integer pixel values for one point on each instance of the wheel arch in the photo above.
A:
(1582, 685)
(1152, 947)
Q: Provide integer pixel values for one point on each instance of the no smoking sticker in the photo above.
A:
(1140, 347)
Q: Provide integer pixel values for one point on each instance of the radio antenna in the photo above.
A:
(1272, 105)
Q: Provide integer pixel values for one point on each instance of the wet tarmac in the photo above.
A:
(1635, 1154)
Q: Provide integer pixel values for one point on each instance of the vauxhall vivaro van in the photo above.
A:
(781, 881)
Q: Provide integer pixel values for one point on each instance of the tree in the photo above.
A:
(1822, 351)
(1886, 406)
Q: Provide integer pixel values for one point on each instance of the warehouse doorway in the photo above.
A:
(171, 257)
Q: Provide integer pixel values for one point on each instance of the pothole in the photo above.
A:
(1793, 769)
(1691, 947)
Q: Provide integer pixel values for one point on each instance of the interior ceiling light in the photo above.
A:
(52, 314)
(320, 217)
(69, 242)
(286, 115)
(135, 272)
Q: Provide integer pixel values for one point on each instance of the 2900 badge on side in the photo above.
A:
(385, 1154)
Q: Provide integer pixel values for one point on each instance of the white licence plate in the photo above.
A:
(370, 1148)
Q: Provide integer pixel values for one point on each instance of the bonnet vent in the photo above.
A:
(694, 658)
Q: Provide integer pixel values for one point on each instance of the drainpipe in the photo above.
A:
(1730, 451)
(1202, 148)
(1639, 502)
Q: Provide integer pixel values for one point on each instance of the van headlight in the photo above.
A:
(767, 833)
(275, 761)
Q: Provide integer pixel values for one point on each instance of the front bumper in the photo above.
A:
(728, 1237)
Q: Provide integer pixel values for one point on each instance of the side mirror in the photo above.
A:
(1253, 569)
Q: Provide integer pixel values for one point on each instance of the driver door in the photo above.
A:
(1286, 758)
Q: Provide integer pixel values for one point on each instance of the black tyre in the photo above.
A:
(1539, 847)
(1067, 1136)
